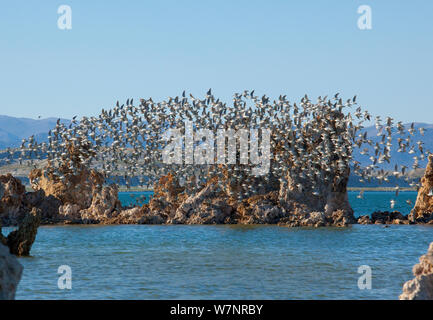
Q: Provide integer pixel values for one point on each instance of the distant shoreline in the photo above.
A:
(388, 189)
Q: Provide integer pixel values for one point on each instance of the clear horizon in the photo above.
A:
(117, 51)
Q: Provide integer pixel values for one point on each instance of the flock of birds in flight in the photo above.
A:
(312, 142)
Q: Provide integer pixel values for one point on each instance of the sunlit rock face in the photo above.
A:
(77, 188)
(105, 205)
(421, 287)
(168, 194)
(208, 206)
(71, 180)
(329, 198)
(10, 274)
(423, 210)
(78, 193)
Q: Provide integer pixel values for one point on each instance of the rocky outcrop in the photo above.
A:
(12, 194)
(74, 188)
(15, 202)
(48, 205)
(325, 204)
(10, 274)
(423, 209)
(337, 218)
(384, 217)
(21, 240)
(421, 287)
(73, 193)
(105, 205)
(205, 207)
(128, 216)
(168, 195)
(213, 205)
(260, 209)
(364, 219)
(70, 213)
(19, 208)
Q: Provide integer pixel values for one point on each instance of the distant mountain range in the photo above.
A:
(13, 130)
(399, 157)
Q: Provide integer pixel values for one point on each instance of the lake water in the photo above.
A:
(226, 262)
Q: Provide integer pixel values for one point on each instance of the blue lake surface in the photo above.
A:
(226, 261)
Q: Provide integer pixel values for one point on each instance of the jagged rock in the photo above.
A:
(168, 195)
(260, 209)
(21, 240)
(205, 207)
(74, 193)
(11, 197)
(421, 287)
(341, 218)
(70, 213)
(105, 205)
(310, 219)
(49, 206)
(136, 215)
(214, 205)
(128, 216)
(150, 218)
(10, 274)
(423, 209)
(364, 220)
(386, 217)
(77, 188)
(301, 199)
(301, 218)
(131, 216)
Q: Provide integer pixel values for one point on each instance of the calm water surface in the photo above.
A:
(224, 262)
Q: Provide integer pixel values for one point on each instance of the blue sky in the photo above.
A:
(138, 49)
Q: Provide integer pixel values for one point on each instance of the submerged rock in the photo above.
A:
(10, 274)
(421, 287)
(423, 209)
